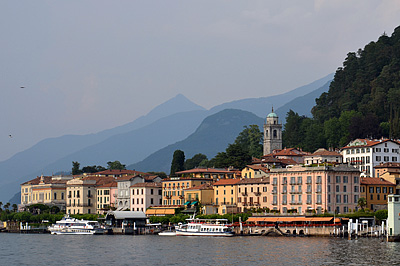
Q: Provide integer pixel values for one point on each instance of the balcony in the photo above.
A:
(309, 191)
(274, 191)
(90, 195)
(69, 196)
(244, 194)
(296, 203)
(257, 193)
(168, 197)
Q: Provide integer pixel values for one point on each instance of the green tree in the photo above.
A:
(116, 165)
(93, 169)
(76, 168)
(195, 161)
(362, 203)
(14, 207)
(250, 139)
(178, 162)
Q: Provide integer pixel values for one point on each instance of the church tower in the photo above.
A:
(272, 133)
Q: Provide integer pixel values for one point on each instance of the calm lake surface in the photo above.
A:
(35, 249)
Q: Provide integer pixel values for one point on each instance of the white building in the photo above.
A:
(365, 154)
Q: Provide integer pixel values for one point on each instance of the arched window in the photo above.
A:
(266, 133)
(275, 134)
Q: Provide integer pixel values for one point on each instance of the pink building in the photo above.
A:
(321, 189)
(144, 195)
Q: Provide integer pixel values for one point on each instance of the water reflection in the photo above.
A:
(18, 249)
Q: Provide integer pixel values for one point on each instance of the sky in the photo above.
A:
(79, 67)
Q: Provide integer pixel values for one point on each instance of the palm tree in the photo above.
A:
(15, 207)
(362, 202)
(7, 205)
(1, 204)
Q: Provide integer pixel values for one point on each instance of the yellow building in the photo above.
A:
(204, 195)
(252, 193)
(81, 196)
(225, 195)
(48, 190)
(173, 189)
(254, 171)
(375, 191)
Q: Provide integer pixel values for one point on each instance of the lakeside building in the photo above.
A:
(203, 194)
(144, 195)
(106, 197)
(81, 193)
(323, 156)
(225, 195)
(173, 188)
(392, 175)
(48, 190)
(125, 182)
(252, 194)
(304, 189)
(254, 171)
(366, 154)
(383, 168)
(375, 191)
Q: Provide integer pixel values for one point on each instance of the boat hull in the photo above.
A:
(219, 234)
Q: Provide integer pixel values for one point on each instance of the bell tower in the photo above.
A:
(272, 133)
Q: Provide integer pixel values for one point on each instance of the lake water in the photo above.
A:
(38, 249)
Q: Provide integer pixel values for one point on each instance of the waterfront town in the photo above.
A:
(285, 183)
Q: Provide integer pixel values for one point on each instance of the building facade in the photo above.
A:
(253, 194)
(173, 189)
(314, 189)
(225, 195)
(375, 191)
(81, 196)
(145, 195)
(366, 154)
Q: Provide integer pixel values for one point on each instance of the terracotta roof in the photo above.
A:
(262, 180)
(111, 184)
(375, 181)
(223, 182)
(289, 152)
(201, 187)
(148, 184)
(324, 152)
(367, 143)
(388, 165)
(288, 161)
(258, 167)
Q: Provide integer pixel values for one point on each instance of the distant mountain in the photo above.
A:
(47, 155)
(303, 104)
(167, 123)
(262, 106)
(212, 136)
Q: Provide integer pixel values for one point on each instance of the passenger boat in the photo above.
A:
(205, 227)
(72, 226)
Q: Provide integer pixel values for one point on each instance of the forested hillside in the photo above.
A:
(363, 100)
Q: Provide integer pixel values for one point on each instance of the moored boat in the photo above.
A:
(205, 227)
(72, 226)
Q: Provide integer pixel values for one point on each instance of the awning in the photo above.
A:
(186, 203)
(194, 202)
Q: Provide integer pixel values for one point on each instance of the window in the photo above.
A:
(337, 188)
(355, 198)
(264, 199)
(356, 179)
(337, 179)
(338, 198)
(384, 190)
(378, 189)
(378, 149)
(345, 179)
(309, 199)
(371, 189)
(299, 180)
(319, 199)
(345, 198)
(329, 188)
(394, 159)
(386, 158)
(308, 179)
(344, 188)
(356, 188)
(378, 158)
(390, 190)
(371, 196)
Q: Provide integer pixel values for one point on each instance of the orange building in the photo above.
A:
(375, 191)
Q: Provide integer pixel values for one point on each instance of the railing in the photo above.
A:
(257, 193)
(244, 194)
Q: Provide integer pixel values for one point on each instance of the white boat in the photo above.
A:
(167, 233)
(205, 227)
(72, 226)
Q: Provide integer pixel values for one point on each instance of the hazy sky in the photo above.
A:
(92, 65)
